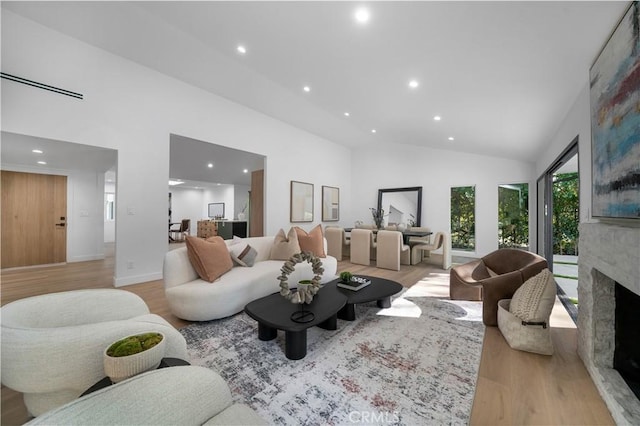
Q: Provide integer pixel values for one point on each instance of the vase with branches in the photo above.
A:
(378, 217)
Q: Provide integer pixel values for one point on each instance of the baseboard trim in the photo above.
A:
(136, 279)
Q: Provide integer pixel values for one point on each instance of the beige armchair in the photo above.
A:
(362, 244)
(53, 344)
(440, 241)
(494, 277)
(337, 243)
(391, 252)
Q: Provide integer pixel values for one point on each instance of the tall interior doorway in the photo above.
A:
(558, 222)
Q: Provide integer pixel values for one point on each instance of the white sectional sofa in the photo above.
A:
(194, 299)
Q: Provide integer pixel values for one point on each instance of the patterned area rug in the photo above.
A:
(414, 363)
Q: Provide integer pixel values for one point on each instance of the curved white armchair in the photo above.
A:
(52, 345)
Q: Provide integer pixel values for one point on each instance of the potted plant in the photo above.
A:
(133, 355)
(346, 276)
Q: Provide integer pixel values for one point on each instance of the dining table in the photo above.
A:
(406, 234)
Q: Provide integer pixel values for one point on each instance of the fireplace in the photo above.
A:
(608, 259)
(626, 355)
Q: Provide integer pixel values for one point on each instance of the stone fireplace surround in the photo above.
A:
(609, 253)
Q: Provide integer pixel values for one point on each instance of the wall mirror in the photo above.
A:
(401, 205)
(216, 210)
(301, 202)
(330, 204)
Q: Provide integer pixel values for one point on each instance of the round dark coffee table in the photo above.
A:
(274, 312)
(379, 290)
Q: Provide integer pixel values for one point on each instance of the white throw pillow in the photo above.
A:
(242, 253)
(534, 300)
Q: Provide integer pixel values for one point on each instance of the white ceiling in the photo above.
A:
(58, 155)
(502, 75)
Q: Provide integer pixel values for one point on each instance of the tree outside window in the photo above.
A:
(463, 218)
(513, 216)
(566, 213)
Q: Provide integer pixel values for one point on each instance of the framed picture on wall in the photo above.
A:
(301, 209)
(330, 204)
(615, 122)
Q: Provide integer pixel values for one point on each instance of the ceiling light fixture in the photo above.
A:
(241, 49)
(413, 84)
(245, 171)
(175, 182)
(210, 165)
(42, 162)
(450, 138)
(306, 88)
(37, 151)
(346, 114)
(437, 118)
(373, 130)
(362, 15)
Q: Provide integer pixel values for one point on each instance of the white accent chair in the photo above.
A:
(337, 243)
(362, 244)
(391, 251)
(53, 344)
(186, 395)
(421, 251)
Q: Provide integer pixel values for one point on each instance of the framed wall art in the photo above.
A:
(615, 122)
(301, 202)
(330, 204)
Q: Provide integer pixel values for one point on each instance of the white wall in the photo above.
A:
(110, 225)
(135, 110)
(85, 211)
(576, 123)
(186, 203)
(436, 171)
(241, 199)
(219, 194)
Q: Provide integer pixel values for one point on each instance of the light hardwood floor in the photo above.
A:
(513, 387)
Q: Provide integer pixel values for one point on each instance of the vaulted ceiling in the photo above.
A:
(500, 75)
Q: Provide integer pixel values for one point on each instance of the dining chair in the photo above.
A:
(391, 251)
(362, 244)
(414, 241)
(181, 233)
(337, 243)
(421, 251)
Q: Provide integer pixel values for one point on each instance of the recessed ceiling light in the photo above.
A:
(413, 84)
(218, 184)
(306, 88)
(210, 165)
(437, 118)
(175, 182)
(241, 49)
(42, 162)
(362, 15)
(373, 130)
(245, 171)
(37, 151)
(450, 138)
(346, 114)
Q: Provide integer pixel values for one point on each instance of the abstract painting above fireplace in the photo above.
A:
(615, 122)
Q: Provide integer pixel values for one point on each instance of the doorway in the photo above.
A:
(34, 215)
(558, 222)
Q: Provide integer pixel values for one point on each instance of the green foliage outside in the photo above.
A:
(566, 214)
(513, 216)
(463, 217)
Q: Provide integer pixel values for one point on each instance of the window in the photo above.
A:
(513, 216)
(463, 218)
(109, 206)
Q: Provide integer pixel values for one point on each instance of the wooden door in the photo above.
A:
(34, 225)
(256, 204)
